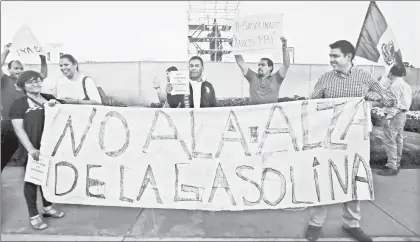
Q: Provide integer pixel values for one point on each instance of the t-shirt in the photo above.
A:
(9, 93)
(196, 86)
(66, 88)
(263, 91)
(33, 116)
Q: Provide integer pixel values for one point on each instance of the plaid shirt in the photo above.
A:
(357, 83)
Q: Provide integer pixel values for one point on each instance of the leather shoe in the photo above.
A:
(388, 172)
(357, 234)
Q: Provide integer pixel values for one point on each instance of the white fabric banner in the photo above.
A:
(283, 155)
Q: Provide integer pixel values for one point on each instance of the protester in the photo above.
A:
(9, 93)
(162, 96)
(74, 87)
(216, 43)
(346, 80)
(202, 94)
(264, 87)
(27, 116)
(395, 118)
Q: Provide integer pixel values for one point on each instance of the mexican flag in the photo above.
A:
(377, 42)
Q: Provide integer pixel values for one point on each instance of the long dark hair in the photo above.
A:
(71, 59)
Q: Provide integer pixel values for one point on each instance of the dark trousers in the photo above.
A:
(30, 191)
(9, 142)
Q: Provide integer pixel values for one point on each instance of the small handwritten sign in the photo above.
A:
(257, 32)
(37, 170)
(180, 83)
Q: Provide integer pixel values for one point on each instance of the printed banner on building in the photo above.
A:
(283, 155)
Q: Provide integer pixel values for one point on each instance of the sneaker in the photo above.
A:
(357, 234)
(313, 233)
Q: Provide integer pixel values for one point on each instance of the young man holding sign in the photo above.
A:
(9, 93)
(162, 95)
(202, 94)
(264, 86)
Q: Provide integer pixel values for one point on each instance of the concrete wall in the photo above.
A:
(131, 82)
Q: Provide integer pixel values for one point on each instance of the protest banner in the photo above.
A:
(25, 44)
(37, 170)
(180, 81)
(273, 156)
(257, 32)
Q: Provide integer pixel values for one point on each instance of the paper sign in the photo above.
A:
(180, 82)
(271, 156)
(25, 44)
(37, 171)
(257, 32)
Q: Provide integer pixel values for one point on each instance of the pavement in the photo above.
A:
(392, 216)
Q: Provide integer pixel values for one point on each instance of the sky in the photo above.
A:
(158, 30)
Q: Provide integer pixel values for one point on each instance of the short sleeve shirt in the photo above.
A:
(33, 116)
(263, 91)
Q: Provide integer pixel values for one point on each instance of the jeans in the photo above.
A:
(351, 214)
(393, 139)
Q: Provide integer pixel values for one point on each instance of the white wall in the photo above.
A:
(131, 82)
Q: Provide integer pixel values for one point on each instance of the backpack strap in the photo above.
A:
(84, 88)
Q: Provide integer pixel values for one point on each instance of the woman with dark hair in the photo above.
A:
(27, 116)
(74, 87)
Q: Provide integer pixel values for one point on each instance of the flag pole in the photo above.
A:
(364, 22)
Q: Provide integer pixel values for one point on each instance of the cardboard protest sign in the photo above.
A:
(273, 156)
(25, 44)
(180, 81)
(257, 32)
(37, 171)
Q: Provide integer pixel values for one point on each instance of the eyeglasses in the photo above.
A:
(32, 82)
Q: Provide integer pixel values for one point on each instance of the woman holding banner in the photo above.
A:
(27, 116)
(74, 87)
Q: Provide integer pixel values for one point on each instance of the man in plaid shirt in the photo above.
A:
(345, 80)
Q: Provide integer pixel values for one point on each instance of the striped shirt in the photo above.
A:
(357, 83)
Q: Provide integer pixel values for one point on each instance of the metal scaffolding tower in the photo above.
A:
(209, 29)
